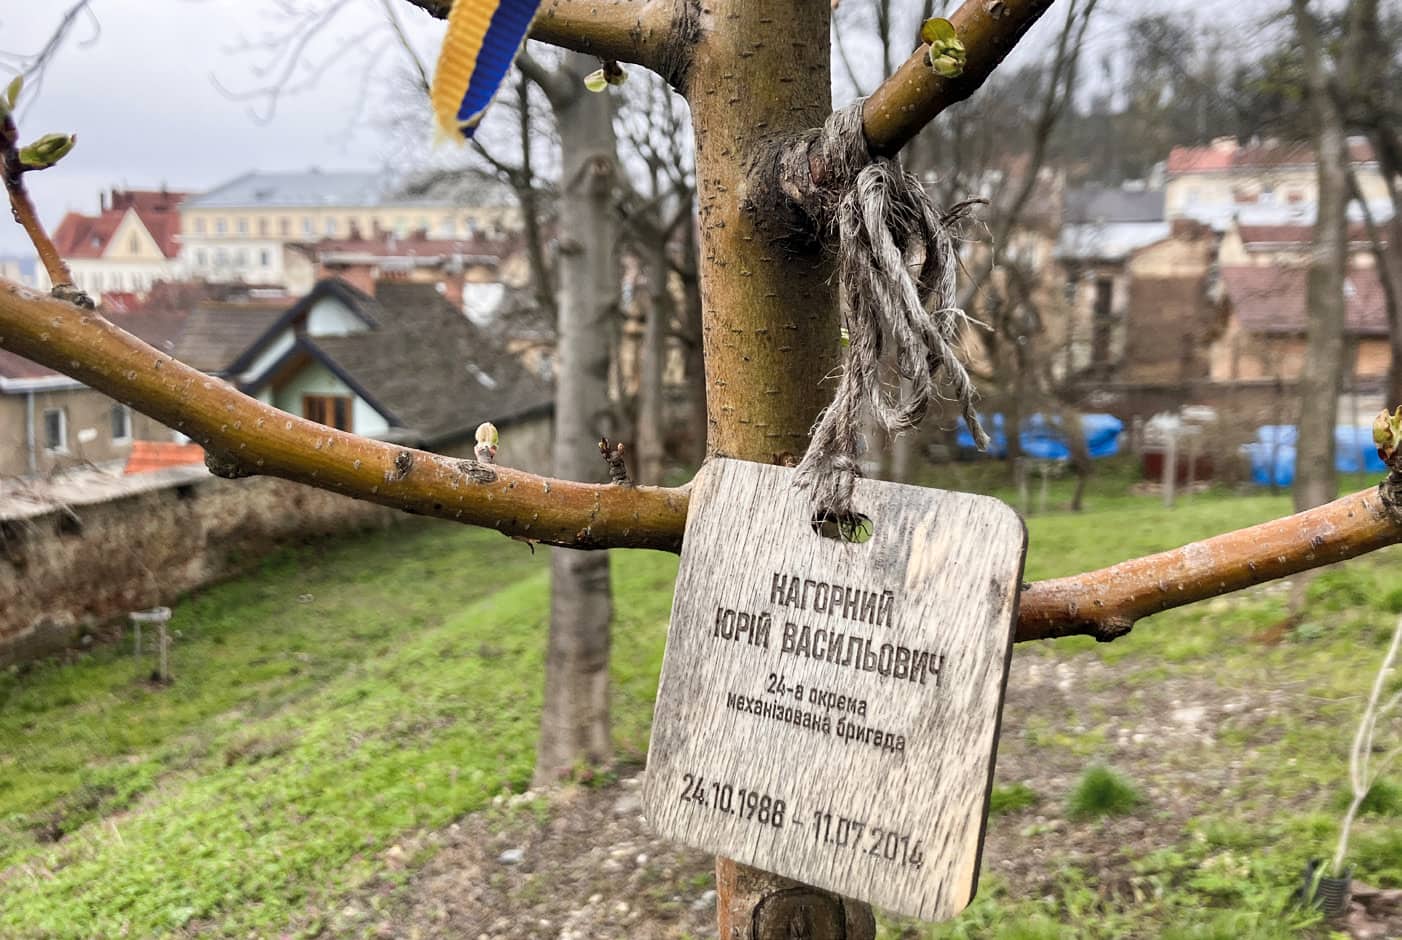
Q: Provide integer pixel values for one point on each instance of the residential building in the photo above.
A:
(238, 231)
(1101, 227)
(1261, 183)
(474, 272)
(131, 244)
(405, 365)
(1169, 314)
(50, 423)
(1262, 334)
(1285, 245)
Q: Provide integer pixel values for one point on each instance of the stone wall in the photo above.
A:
(134, 542)
(66, 572)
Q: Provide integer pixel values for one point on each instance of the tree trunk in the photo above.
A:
(1388, 253)
(1321, 380)
(695, 362)
(652, 356)
(574, 727)
(771, 329)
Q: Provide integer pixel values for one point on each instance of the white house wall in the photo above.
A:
(316, 379)
(329, 317)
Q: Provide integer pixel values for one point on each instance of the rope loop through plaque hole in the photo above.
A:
(848, 527)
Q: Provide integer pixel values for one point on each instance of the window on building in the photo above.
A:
(330, 226)
(308, 226)
(262, 226)
(240, 258)
(121, 423)
(134, 245)
(56, 430)
(243, 226)
(284, 226)
(265, 258)
(445, 227)
(221, 226)
(199, 227)
(201, 257)
(331, 410)
(221, 257)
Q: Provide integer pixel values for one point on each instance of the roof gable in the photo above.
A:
(359, 304)
(90, 236)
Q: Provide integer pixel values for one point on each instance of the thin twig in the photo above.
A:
(22, 207)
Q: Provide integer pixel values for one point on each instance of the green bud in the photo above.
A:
(937, 29)
(46, 151)
(611, 74)
(595, 81)
(487, 433)
(1387, 434)
(13, 89)
(947, 55)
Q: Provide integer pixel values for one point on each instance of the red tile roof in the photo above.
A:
(1230, 156)
(158, 455)
(87, 236)
(1272, 300)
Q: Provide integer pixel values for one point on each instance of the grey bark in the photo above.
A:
(575, 724)
(1322, 379)
(651, 359)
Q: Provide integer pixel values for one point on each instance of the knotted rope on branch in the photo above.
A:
(897, 268)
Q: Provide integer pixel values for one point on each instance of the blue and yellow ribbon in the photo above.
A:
(484, 38)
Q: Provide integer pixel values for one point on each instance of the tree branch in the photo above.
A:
(656, 34)
(915, 95)
(245, 436)
(1106, 603)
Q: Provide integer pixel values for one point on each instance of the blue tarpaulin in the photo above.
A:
(1042, 438)
(1273, 453)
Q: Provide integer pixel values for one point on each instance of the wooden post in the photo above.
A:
(164, 673)
(1194, 448)
(1170, 466)
(160, 616)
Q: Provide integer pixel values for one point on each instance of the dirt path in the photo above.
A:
(579, 863)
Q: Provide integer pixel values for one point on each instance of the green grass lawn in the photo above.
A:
(343, 694)
(349, 692)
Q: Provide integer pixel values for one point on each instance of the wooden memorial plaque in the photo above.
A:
(828, 710)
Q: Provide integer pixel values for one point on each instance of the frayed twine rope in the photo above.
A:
(897, 268)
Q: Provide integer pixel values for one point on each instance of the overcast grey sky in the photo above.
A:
(141, 98)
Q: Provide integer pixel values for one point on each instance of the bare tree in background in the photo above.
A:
(1322, 378)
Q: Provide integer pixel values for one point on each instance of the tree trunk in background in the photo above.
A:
(1392, 265)
(695, 359)
(1389, 259)
(1373, 103)
(652, 355)
(1321, 380)
(574, 727)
